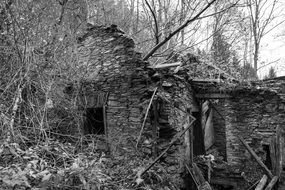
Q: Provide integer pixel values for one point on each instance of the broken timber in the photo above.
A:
(273, 157)
(253, 185)
(170, 145)
(272, 183)
(263, 166)
(105, 127)
(279, 147)
(145, 117)
(162, 66)
(261, 183)
(192, 175)
(206, 80)
(106, 122)
(213, 96)
(198, 178)
(191, 144)
(155, 129)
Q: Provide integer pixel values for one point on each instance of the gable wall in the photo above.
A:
(110, 65)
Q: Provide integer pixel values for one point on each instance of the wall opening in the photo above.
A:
(266, 150)
(94, 121)
(165, 130)
(198, 141)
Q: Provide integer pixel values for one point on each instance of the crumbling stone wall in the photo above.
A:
(255, 112)
(253, 115)
(110, 65)
(113, 74)
(175, 99)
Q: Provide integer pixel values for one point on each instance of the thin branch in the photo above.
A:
(156, 32)
(269, 20)
(145, 117)
(186, 23)
(221, 11)
(60, 20)
(268, 64)
(281, 22)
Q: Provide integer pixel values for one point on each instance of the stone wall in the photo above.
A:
(219, 124)
(253, 114)
(175, 102)
(112, 74)
(254, 111)
(110, 66)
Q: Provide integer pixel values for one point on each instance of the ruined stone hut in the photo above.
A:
(116, 88)
(114, 94)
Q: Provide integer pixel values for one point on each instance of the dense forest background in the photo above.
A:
(229, 34)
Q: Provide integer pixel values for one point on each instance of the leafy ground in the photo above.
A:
(57, 165)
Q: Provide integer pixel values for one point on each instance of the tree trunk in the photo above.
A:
(255, 57)
(132, 10)
(182, 17)
(138, 16)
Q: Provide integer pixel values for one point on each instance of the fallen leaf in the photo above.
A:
(46, 177)
(139, 180)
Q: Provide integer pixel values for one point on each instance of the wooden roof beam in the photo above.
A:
(213, 96)
(162, 66)
(197, 80)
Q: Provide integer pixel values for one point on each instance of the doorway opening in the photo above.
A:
(94, 121)
(198, 141)
(266, 149)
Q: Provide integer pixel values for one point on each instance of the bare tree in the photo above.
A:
(156, 27)
(262, 13)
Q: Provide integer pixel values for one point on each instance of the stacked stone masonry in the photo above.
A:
(111, 66)
(253, 113)
(113, 74)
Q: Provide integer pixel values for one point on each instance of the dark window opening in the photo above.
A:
(166, 132)
(94, 121)
(159, 119)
